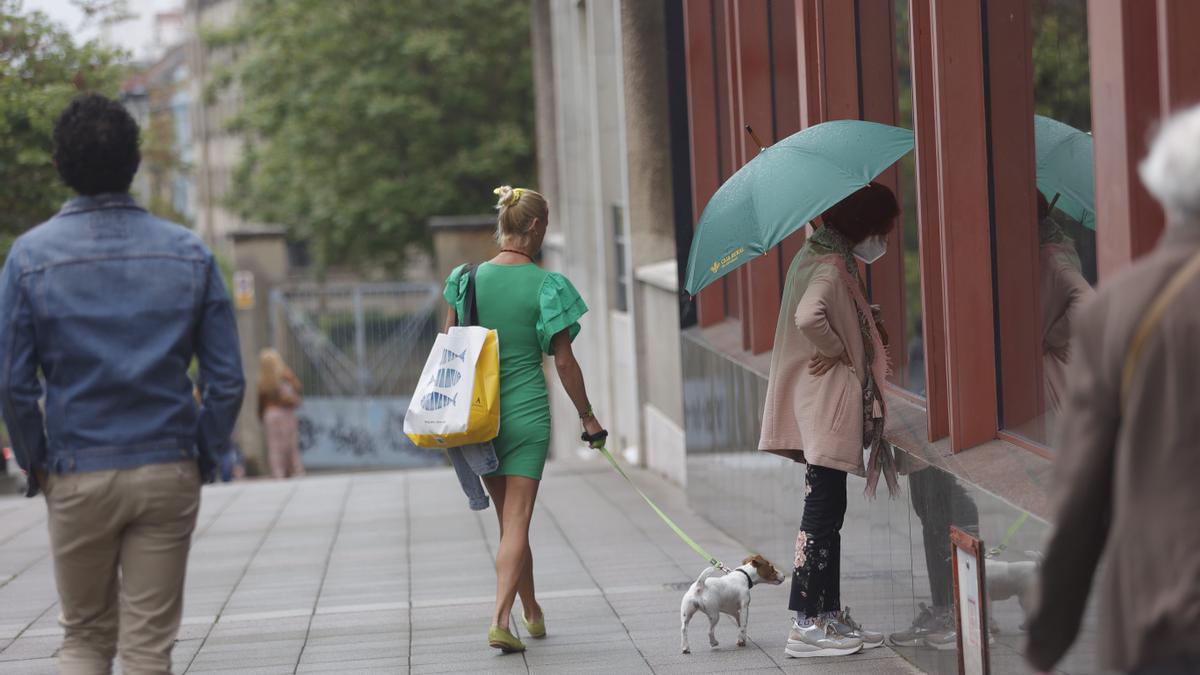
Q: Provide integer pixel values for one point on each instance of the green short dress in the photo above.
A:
(527, 307)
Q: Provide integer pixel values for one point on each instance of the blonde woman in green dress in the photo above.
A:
(534, 313)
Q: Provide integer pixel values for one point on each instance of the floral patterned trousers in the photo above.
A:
(816, 580)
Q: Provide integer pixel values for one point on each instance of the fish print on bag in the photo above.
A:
(436, 401)
(446, 377)
(448, 356)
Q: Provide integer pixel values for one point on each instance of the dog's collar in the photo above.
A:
(748, 579)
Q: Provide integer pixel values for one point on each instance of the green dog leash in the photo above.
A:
(597, 443)
(1012, 532)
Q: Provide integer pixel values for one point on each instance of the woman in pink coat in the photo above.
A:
(824, 407)
(1063, 291)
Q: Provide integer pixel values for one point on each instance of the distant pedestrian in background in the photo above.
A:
(110, 305)
(1129, 449)
(1063, 291)
(278, 398)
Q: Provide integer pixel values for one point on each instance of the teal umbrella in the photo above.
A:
(783, 188)
(1064, 168)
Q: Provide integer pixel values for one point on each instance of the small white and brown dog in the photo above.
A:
(728, 594)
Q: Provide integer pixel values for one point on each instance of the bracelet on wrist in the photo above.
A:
(587, 414)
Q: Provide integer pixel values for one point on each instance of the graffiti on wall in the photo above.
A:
(338, 432)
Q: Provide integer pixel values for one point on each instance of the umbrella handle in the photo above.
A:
(757, 140)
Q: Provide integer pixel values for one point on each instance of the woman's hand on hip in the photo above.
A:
(821, 364)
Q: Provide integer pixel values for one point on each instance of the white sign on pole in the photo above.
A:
(969, 603)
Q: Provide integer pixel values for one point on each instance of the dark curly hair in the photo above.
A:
(869, 212)
(96, 145)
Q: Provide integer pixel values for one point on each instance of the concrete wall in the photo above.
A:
(664, 442)
(604, 157)
(461, 239)
(583, 59)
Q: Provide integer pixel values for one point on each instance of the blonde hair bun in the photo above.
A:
(519, 208)
(508, 196)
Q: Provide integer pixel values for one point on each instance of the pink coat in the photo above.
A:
(1063, 291)
(807, 418)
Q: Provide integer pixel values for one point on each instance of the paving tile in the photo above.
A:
(398, 666)
(413, 591)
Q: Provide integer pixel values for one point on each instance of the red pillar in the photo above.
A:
(1178, 53)
(703, 134)
(752, 60)
(962, 193)
(877, 31)
(1125, 105)
(929, 219)
(1014, 160)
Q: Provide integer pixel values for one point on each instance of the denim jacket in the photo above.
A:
(111, 304)
(470, 462)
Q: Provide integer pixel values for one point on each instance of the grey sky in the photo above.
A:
(135, 36)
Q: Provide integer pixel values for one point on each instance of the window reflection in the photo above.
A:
(1065, 258)
(911, 351)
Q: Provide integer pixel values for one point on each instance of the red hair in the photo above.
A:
(869, 212)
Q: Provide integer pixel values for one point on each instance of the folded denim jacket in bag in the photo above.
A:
(470, 462)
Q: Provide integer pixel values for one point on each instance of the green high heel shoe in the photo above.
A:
(536, 629)
(505, 641)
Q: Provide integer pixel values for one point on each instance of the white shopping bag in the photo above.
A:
(453, 383)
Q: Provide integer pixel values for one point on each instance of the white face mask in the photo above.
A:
(870, 249)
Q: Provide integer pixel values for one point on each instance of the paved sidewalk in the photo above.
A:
(391, 573)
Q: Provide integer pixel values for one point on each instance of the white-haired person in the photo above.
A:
(1125, 474)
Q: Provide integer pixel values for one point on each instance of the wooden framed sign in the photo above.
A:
(970, 603)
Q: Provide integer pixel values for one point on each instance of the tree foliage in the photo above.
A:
(41, 69)
(366, 117)
(1061, 77)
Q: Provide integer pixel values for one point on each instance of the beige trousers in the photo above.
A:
(120, 541)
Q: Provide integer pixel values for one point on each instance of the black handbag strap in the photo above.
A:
(471, 307)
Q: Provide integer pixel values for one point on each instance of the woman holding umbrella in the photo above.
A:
(824, 406)
(823, 402)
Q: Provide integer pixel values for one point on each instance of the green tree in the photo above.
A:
(1061, 78)
(365, 118)
(41, 69)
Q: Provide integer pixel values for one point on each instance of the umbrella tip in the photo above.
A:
(755, 137)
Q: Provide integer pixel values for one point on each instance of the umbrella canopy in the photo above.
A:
(1064, 168)
(786, 186)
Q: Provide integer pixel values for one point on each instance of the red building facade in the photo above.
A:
(960, 287)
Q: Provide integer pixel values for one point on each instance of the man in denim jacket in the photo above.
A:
(108, 305)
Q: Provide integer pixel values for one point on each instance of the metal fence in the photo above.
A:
(355, 339)
(358, 350)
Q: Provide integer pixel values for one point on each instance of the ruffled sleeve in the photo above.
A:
(561, 309)
(456, 290)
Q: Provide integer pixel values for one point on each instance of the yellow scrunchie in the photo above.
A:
(513, 197)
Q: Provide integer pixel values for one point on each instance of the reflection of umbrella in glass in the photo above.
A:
(784, 187)
(1064, 168)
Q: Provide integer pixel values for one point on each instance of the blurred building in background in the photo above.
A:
(159, 97)
(217, 150)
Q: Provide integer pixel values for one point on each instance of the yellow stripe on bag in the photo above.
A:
(483, 421)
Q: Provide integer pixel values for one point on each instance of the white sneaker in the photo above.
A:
(820, 639)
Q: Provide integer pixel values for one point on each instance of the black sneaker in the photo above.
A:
(929, 622)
